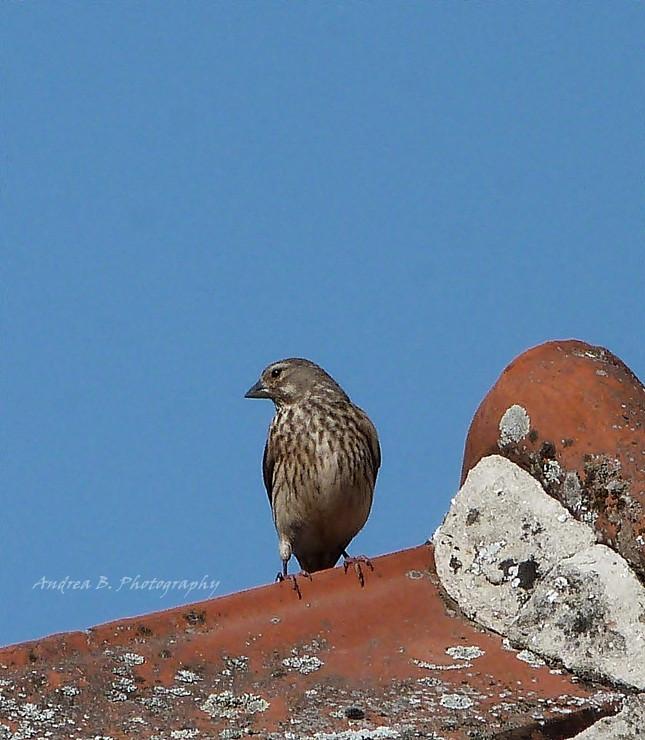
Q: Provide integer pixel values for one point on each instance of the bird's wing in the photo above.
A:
(369, 431)
(268, 463)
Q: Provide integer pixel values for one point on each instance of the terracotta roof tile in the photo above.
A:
(394, 658)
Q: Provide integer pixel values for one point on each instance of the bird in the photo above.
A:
(320, 463)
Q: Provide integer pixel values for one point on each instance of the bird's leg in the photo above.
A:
(356, 562)
(284, 576)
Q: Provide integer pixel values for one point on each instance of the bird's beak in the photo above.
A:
(257, 391)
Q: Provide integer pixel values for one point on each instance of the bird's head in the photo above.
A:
(290, 381)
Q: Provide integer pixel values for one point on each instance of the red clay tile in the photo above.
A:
(394, 657)
(582, 436)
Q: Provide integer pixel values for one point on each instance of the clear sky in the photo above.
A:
(408, 193)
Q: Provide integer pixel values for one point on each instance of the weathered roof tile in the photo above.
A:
(393, 659)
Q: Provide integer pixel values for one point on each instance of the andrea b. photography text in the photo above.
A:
(203, 588)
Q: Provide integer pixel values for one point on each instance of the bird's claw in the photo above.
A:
(294, 582)
(356, 562)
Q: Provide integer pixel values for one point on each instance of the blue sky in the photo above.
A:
(409, 194)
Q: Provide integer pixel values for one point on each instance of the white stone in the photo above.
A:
(502, 533)
(515, 564)
(596, 625)
(628, 723)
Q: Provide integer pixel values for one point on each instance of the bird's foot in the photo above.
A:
(294, 582)
(356, 562)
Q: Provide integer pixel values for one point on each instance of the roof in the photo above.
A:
(394, 658)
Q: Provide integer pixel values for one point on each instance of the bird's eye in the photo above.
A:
(275, 372)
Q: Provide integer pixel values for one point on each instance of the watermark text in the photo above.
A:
(205, 587)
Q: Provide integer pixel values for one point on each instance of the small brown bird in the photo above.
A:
(320, 464)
